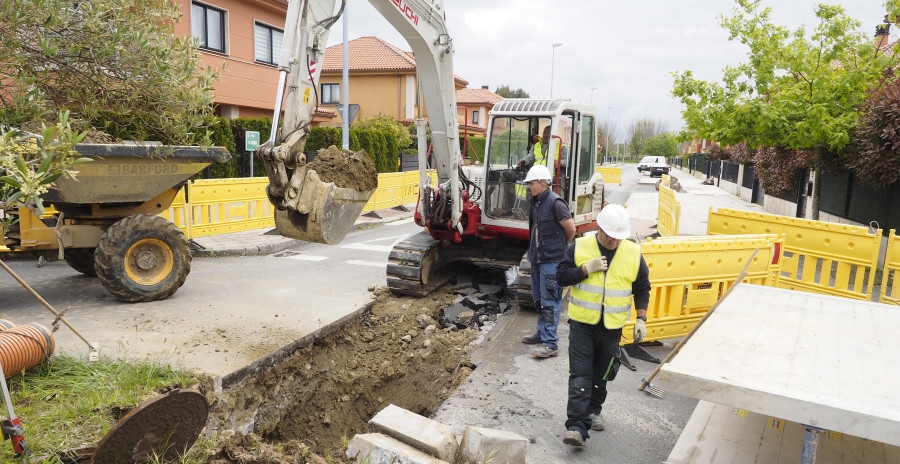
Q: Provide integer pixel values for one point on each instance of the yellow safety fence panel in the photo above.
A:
(220, 206)
(688, 275)
(611, 175)
(394, 189)
(668, 211)
(890, 292)
(819, 257)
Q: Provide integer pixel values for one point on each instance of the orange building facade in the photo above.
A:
(246, 36)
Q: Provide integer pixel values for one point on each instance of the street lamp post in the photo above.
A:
(607, 131)
(552, 61)
(592, 94)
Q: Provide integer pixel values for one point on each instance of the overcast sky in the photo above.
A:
(626, 49)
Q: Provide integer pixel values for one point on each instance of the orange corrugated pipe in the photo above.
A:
(24, 346)
(6, 324)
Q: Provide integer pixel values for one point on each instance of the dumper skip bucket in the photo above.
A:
(325, 211)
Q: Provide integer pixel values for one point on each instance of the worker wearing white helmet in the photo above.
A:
(605, 273)
(550, 228)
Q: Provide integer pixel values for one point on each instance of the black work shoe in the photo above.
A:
(574, 438)
(531, 339)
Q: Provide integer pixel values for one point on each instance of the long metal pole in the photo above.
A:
(345, 78)
(607, 132)
(44, 302)
(552, 62)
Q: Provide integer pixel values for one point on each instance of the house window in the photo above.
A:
(331, 94)
(267, 43)
(208, 25)
(475, 117)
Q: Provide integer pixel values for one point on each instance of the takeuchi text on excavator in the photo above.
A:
(476, 213)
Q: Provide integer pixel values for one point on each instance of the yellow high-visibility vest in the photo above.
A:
(539, 156)
(607, 293)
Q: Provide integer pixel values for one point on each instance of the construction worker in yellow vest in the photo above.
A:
(537, 156)
(605, 273)
(539, 149)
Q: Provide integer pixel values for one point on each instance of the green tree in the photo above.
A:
(643, 130)
(386, 124)
(30, 163)
(876, 141)
(662, 145)
(796, 92)
(506, 92)
(114, 64)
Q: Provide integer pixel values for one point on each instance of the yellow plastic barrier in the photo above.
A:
(611, 175)
(394, 189)
(890, 274)
(688, 275)
(221, 206)
(819, 257)
(668, 211)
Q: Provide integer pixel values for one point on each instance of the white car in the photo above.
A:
(648, 161)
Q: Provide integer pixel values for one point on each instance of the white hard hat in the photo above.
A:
(538, 172)
(614, 221)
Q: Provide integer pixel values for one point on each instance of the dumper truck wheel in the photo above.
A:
(142, 258)
(82, 260)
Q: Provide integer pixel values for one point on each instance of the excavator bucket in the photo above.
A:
(325, 211)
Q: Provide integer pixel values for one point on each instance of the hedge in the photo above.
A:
(220, 135)
(239, 126)
(478, 143)
(380, 145)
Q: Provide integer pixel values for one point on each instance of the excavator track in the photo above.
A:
(413, 266)
(420, 264)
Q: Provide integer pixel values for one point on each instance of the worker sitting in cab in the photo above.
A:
(539, 149)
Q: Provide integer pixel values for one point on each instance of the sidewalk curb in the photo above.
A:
(267, 249)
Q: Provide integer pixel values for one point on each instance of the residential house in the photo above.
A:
(474, 106)
(246, 35)
(382, 80)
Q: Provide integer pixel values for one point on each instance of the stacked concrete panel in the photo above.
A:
(408, 438)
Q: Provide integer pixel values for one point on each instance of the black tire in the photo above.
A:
(523, 285)
(82, 260)
(142, 258)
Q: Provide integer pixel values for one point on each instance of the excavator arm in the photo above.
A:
(310, 209)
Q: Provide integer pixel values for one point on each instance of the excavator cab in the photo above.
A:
(557, 133)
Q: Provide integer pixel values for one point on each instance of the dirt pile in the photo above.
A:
(250, 449)
(347, 169)
(396, 353)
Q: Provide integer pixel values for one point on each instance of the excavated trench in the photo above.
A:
(403, 351)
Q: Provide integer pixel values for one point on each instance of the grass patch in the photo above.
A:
(71, 403)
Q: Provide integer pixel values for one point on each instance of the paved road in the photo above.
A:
(230, 311)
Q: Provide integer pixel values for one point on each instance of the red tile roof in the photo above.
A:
(371, 54)
(476, 96)
(368, 54)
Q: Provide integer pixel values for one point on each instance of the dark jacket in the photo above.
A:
(547, 239)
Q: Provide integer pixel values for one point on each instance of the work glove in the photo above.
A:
(595, 265)
(640, 330)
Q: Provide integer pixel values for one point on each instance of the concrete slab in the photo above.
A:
(421, 432)
(813, 359)
(375, 448)
(481, 444)
(717, 433)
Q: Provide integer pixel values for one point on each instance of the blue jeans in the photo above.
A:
(546, 294)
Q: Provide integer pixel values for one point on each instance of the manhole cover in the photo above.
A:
(165, 426)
